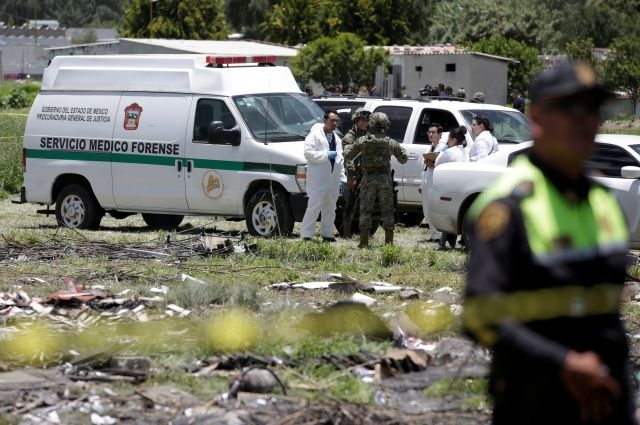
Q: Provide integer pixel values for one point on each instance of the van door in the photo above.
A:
(214, 175)
(150, 174)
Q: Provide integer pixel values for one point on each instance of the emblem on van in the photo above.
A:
(212, 184)
(132, 116)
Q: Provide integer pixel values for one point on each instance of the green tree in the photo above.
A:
(621, 70)
(179, 19)
(377, 22)
(338, 60)
(526, 21)
(245, 16)
(600, 20)
(299, 21)
(581, 50)
(520, 73)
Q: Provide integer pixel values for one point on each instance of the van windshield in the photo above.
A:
(279, 117)
(508, 126)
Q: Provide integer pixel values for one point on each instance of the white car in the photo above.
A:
(410, 120)
(615, 164)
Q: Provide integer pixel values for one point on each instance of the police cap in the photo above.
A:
(565, 80)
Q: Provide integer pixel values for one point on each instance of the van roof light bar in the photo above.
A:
(227, 60)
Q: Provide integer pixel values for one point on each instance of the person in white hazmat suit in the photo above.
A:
(434, 133)
(325, 171)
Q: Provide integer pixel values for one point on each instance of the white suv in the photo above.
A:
(410, 119)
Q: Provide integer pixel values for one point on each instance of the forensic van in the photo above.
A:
(168, 136)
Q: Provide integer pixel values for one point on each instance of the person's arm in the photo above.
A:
(482, 148)
(314, 151)
(399, 152)
(352, 150)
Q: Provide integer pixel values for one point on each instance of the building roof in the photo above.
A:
(220, 47)
(441, 49)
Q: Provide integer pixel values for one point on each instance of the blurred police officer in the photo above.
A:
(375, 151)
(547, 266)
(352, 168)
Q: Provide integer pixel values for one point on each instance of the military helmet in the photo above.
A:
(380, 121)
(360, 113)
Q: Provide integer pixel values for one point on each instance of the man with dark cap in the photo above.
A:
(546, 269)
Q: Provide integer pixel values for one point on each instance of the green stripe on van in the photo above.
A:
(170, 161)
(70, 155)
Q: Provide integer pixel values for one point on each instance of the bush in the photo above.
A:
(11, 131)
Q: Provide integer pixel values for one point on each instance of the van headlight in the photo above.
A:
(301, 176)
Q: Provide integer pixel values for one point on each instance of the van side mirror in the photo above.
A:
(217, 134)
(630, 172)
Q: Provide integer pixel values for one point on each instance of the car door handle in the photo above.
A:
(413, 156)
(179, 165)
(189, 166)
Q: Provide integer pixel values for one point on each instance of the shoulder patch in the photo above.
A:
(523, 189)
(492, 221)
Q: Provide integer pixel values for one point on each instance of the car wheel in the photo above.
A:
(77, 208)
(162, 221)
(268, 215)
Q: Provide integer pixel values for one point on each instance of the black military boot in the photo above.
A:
(388, 236)
(346, 229)
(364, 239)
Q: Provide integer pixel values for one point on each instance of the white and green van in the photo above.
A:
(168, 136)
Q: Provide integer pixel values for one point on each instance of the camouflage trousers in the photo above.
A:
(376, 185)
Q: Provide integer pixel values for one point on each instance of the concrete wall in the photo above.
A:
(472, 72)
(105, 48)
(620, 107)
(27, 59)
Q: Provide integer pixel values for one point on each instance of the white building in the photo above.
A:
(414, 67)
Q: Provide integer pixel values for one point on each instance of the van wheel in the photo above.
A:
(260, 214)
(77, 208)
(162, 221)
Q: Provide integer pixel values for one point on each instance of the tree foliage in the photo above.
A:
(600, 20)
(526, 21)
(519, 74)
(581, 50)
(341, 60)
(245, 16)
(179, 19)
(70, 13)
(377, 22)
(622, 69)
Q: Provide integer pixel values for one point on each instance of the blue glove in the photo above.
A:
(332, 154)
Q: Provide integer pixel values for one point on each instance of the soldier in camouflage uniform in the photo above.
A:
(375, 151)
(360, 128)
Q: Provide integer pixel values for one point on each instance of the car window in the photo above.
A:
(429, 116)
(209, 110)
(508, 126)
(399, 117)
(608, 160)
(345, 111)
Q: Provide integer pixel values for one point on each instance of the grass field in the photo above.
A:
(235, 310)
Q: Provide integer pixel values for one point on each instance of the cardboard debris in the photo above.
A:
(403, 360)
(147, 253)
(214, 244)
(363, 299)
(186, 278)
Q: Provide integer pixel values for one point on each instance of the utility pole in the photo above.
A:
(35, 23)
(150, 18)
